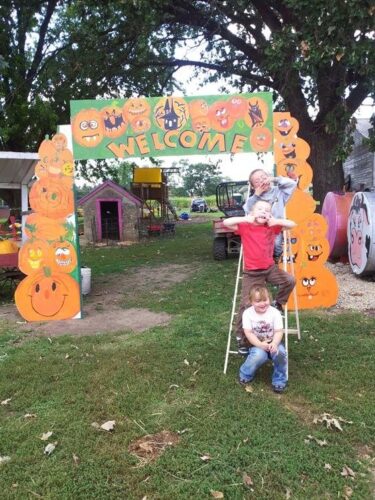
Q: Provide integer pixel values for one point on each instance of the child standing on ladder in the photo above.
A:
(258, 231)
(277, 194)
(263, 327)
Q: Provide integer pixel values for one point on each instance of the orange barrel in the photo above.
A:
(336, 210)
(361, 234)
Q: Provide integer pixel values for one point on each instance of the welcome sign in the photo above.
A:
(171, 126)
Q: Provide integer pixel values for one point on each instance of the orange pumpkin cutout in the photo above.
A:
(113, 120)
(293, 244)
(60, 142)
(62, 256)
(314, 245)
(44, 228)
(300, 206)
(88, 128)
(286, 127)
(41, 170)
(220, 116)
(316, 287)
(256, 113)
(33, 256)
(46, 296)
(198, 107)
(135, 108)
(296, 169)
(51, 198)
(291, 148)
(261, 139)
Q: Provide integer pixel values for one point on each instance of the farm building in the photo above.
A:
(111, 213)
(359, 167)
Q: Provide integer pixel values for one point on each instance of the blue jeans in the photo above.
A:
(257, 357)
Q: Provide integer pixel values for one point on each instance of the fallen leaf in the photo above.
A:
(288, 494)
(172, 386)
(328, 466)
(246, 479)
(4, 459)
(109, 425)
(318, 441)
(46, 435)
(95, 425)
(347, 472)
(50, 448)
(29, 415)
(183, 431)
(249, 388)
(205, 457)
(186, 362)
(6, 401)
(331, 421)
(67, 356)
(75, 459)
(217, 494)
(348, 492)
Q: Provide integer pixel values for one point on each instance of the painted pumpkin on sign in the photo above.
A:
(261, 139)
(113, 120)
(63, 256)
(198, 107)
(46, 296)
(201, 124)
(135, 108)
(51, 198)
(220, 116)
(88, 128)
(238, 107)
(44, 228)
(33, 256)
(256, 113)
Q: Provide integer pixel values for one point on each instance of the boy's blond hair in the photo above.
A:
(260, 201)
(261, 291)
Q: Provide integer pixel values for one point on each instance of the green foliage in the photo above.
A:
(170, 378)
(200, 179)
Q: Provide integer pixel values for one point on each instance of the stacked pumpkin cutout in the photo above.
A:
(48, 257)
(308, 246)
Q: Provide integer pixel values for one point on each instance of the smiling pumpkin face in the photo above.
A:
(220, 116)
(46, 296)
(33, 256)
(88, 128)
(136, 108)
(261, 139)
(316, 287)
(63, 256)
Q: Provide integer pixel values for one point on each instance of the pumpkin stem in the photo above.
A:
(47, 271)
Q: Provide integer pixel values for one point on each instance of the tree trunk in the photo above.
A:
(328, 174)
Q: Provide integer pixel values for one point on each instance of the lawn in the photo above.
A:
(231, 442)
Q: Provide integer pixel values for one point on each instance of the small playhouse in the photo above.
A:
(111, 213)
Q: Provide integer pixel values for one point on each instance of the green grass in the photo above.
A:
(144, 381)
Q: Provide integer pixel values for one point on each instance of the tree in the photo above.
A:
(57, 50)
(200, 179)
(318, 58)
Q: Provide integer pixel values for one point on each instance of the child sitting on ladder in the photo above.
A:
(263, 327)
(258, 231)
(277, 194)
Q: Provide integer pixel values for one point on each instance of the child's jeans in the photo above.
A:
(257, 357)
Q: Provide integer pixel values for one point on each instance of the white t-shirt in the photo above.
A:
(262, 325)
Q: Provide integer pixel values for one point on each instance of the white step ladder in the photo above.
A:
(235, 302)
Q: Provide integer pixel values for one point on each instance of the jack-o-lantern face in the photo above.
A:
(201, 124)
(316, 287)
(287, 126)
(220, 116)
(238, 107)
(261, 139)
(114, 123)
(296, 169)
(33, 256)
(135, 108)
(292, 244)
(171, 113)
(88, 128)
(63, 256)
(44, 296)
(256, 113)
(198, 107)
(141, 124)
(51, 198)
(316, 252)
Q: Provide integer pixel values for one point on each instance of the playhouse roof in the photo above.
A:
(115, 187)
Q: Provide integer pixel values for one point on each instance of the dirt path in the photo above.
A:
(103, 308)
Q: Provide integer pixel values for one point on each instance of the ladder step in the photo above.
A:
(293, 331)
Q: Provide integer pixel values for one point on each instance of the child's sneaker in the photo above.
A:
(243, 382)
(242, 346)
(243, 351)
(279, 389)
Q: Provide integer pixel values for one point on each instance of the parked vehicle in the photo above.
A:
(199, 205)
(230, 196)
